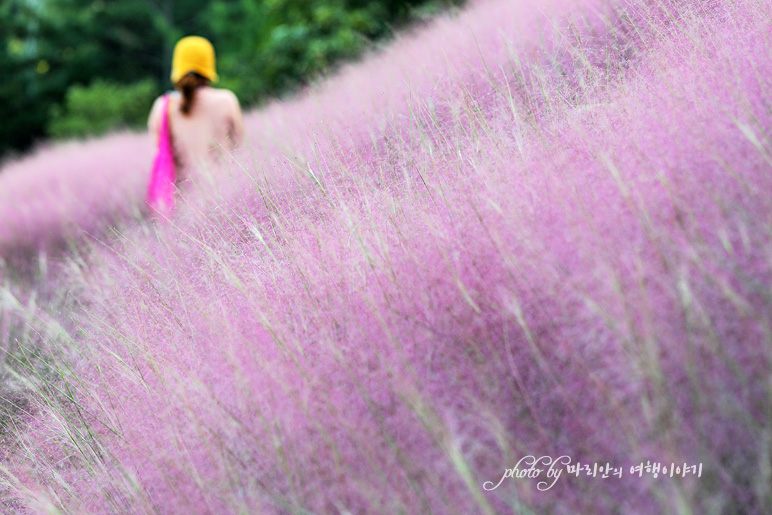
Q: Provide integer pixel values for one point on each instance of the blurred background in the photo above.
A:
(77, 68)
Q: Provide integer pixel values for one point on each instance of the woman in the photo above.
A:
(203, 122)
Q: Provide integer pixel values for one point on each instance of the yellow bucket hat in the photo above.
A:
(193, 54)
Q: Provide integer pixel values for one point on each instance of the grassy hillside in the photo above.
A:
(525, 230)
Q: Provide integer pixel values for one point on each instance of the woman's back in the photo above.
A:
(212, 126)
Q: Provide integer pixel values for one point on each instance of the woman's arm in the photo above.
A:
(236, 133)
(154, 120)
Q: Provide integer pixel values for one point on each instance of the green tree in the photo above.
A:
(287, 42)
(23, 99)
(102, 106)
(54, 51)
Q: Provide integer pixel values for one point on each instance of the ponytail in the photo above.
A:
(188, 86)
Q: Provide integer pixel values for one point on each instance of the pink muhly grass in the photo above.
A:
(69, 187)
(552, 237)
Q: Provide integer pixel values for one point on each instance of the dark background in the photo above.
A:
(73, 68)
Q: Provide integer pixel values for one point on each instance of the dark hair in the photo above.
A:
(187, 86)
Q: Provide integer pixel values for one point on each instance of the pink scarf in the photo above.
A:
(160, 192)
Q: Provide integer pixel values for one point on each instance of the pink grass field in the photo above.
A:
(524, 229)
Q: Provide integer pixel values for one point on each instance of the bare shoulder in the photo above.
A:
(224, 96)
(155, 113)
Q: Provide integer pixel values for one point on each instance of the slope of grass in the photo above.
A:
(527, 230)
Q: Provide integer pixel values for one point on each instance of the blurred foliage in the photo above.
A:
(57, 55)
(101, 106)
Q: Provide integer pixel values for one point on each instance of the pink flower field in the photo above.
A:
(523, 229)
